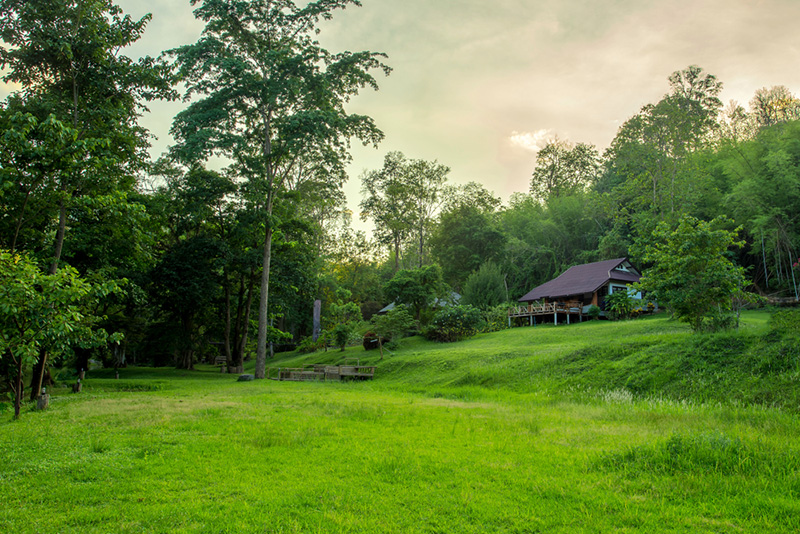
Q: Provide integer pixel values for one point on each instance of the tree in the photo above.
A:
(185, 282)
(392, 326)
(269, 98)
(388, 203)
(343, 317)
(774, 105)
(428, 189)
(485, 288)
(649, 157)
(402, 199)
(44, 312)
(691, 272)
(417, 288)
(65, 56)
(463, 240)
(563, 169)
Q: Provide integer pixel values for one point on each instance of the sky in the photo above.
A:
(481, 85)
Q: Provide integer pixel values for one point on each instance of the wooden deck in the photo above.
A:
(571, 309)
(321, 372)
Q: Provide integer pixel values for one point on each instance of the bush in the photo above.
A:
(495, 318)
(308, 345)
(485, 288)
(620, 305)
(393, 326)
(594, 311)
(455, 323)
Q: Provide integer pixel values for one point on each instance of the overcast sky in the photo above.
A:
(479, 85)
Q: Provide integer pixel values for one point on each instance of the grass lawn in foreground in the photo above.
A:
(169, 451)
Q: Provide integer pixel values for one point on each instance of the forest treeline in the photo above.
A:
(179, 259)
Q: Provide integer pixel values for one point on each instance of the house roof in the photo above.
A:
(586, 278)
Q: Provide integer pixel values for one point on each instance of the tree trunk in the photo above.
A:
(18, 390)
(62, 230)
(243, 327)
(227, 333)
(185, 359)
(263, 308)
(40, 376)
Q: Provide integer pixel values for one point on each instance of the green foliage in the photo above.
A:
(394, 325)
(495, 318)
(466, 238)
(485, 288)
(691, 272)
(417, 288)
(544, 240)
(402, 199)
(45, 312)
(620, 304)
(343, 317)
(455, 323)
(563, 169)
(594, 311)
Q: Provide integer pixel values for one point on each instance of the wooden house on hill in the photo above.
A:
(577, 288)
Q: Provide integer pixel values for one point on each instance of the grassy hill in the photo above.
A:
(648, 357)
(599, 427)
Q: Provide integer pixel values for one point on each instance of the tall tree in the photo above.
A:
(563, 169)
(269, 98)
(403, 198)
(387, 201)
(650, 154)
(774, 105)
(65, 56)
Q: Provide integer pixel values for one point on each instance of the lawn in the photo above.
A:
(501, 433)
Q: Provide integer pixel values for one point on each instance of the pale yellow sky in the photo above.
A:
(478, 85)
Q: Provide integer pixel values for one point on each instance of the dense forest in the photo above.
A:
(111, 256)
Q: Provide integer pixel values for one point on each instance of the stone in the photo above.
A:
(245, 378)
(42, 401)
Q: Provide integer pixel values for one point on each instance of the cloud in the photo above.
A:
(531, 141)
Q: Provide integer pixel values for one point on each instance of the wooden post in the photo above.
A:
(80, 375)
(555, 316)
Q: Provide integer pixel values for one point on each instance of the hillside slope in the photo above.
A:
(652, 356)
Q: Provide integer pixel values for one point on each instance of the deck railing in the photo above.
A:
(538, 308)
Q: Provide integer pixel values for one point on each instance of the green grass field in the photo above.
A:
(599, 427)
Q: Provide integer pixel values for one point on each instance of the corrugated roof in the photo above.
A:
(586, 278)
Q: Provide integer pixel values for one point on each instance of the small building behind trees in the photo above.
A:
(572, 293)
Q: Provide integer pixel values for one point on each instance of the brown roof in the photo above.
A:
(580, 279)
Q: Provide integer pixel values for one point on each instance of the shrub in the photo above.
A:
(308, 345)
(594, 311)
(455, 323)
(485, 288)
(394, 325)
(495, 318)
(620, 304)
